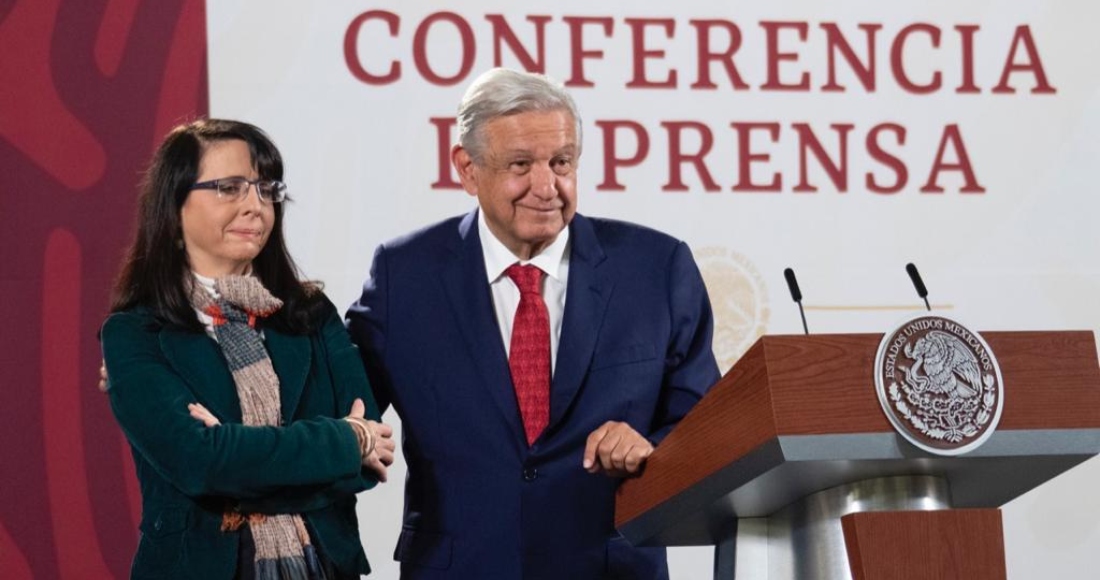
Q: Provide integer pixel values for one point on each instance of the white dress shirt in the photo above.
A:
(553, 260)
(206, 320)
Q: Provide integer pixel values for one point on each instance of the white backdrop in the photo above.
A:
(1022, 254)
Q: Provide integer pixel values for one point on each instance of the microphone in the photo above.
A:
(796, 295)
(914, 275)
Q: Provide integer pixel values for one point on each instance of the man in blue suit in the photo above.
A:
(526, 393)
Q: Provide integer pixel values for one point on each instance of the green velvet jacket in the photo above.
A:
(190, 473)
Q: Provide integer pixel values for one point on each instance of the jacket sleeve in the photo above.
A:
(366, 323)
(149, 400)
(690, 367)
(346, 365)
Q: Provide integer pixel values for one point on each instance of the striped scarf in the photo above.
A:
(283, 548)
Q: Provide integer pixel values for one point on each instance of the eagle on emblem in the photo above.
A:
(943, 365)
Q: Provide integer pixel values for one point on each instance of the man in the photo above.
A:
(526, 393)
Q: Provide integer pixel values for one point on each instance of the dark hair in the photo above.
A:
(156, 273)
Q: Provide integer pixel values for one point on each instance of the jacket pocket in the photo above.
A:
(621, 355)
(626, 562)
(427, 549)
(161, 542)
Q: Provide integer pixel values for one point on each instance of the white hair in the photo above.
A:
(500, 92)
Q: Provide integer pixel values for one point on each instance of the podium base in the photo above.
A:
(806, 539)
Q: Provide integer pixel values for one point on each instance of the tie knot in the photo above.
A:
(527, 277)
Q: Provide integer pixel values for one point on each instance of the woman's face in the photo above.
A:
(223, 236)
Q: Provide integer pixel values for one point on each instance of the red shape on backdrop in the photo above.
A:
(90, 89)
(184, 74)
(75, 540)
(114, 33)
(12, 562)
(35, 120)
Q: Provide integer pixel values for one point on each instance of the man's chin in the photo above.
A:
(544, 233)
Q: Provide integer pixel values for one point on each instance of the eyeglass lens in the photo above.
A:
(237, 187)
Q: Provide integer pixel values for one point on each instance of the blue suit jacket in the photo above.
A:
(635, 346)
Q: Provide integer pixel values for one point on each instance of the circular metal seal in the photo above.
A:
(939, 384)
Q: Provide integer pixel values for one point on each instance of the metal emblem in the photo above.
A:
(939, 384)
(739, 299)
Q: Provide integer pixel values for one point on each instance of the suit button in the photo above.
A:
(530, 474)
(157, 525)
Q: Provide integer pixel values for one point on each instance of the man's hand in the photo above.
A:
(381, 456)
(616, 449)
(102, 377)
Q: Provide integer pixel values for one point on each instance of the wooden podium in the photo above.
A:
(795, 433)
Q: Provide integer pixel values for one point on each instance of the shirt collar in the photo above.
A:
(206, 284)
(498, 257)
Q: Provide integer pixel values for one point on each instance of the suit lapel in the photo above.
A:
(290, 356)
(199, 360)
(465, 281)
(587, 296)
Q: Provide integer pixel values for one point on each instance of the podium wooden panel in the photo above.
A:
(799, 414)
(931, 545)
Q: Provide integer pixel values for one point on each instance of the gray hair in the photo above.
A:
(500, 92)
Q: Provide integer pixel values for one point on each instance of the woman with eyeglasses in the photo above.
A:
(246, 406)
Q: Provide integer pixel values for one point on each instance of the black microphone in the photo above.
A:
(914, 275)
(796, 295)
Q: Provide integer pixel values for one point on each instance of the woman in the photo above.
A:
(234, 381)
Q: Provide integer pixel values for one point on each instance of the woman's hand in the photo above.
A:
(199, 412)
(380, 447)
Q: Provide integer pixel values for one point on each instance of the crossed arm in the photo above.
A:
(375, 444)
(303, 465)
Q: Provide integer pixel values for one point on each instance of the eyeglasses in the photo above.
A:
(236, 188)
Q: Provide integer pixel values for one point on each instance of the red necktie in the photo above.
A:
(529, 357)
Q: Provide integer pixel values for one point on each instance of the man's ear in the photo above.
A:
(464, 165)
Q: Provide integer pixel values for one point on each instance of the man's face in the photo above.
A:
(526, 181)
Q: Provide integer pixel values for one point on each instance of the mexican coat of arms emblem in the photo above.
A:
(939, 384)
